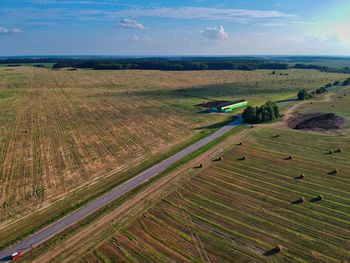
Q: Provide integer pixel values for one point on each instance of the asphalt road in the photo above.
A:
(74, 217)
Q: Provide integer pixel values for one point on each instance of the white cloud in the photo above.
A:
(136, 38)
(130, 24)
(4, 30)
(331, 38)
(220, 14)
(215, 33)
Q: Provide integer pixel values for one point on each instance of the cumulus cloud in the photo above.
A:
(136, 38)
(130, 24)
(4, 30)
(215, 33)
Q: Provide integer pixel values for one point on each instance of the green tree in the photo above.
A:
(249, 114)
(303, 95)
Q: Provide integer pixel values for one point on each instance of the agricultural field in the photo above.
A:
(63, 129)
(282, 196)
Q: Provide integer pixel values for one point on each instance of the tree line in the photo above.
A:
(173, 65)
(304, 94)
(345, 70)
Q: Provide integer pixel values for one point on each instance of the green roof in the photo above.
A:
(230, 103)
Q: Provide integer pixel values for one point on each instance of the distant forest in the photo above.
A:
(175, 64)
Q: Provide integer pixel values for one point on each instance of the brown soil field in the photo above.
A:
(316, 122)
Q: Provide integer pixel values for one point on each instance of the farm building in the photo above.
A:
(229, 106)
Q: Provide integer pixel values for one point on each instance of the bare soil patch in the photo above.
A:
(316, 122)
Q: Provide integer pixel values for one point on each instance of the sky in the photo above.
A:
(174, 27)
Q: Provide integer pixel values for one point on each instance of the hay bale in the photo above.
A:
(338, 151)
(319, 197)
(330, 152)
(240, 144)
(302, 200)
(244, 158)
(279, 248)
(302, 176)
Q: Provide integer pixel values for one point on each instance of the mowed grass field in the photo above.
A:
(63, 129)
(240, 210)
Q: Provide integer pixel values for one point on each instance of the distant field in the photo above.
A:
(238, 210)
(62, 129)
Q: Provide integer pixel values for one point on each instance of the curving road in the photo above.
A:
(74, 217)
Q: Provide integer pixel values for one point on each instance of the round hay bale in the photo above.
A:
(301, 200)
(279, 248)
(302, 176)
(320, 197)
(244, 158)
(330, 152)
(146, 215)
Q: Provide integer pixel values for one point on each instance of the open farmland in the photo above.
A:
(63, 129)
(240, 210)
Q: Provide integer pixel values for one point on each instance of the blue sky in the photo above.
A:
(177, 27)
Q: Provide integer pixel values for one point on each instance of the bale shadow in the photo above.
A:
(198, 166)
(333, 173)
(315, 199)
(297, 202)
(272, 252)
